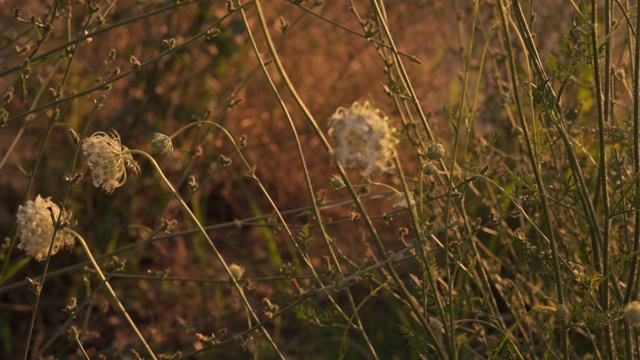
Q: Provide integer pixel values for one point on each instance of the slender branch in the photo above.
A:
(535, 166)
(113, 294)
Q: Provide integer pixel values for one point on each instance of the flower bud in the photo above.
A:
(336, 182)
(161, 144)
(430, 170)
(435, 151)
(236, 271)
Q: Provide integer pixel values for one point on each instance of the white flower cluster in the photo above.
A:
(108, 160)
(363, 138)
(35, 228)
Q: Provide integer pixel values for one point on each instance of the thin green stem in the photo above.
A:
(203, 232)
(378, 9)
(134, 248)
(431, 277)
(603, 102)
(448, 204)
(312, 199)
(106, 84)
(81, 347)
(359, 206)
(113, 294)
(155, 236)
(14, 142)
(535, 166)
(57, 224)
(396, 257)
(556, 116)
(633, 287)
(336, 24)
(101, 30)
(632, 284)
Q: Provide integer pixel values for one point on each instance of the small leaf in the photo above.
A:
(13, 268)
(553, 64)
(38, 33)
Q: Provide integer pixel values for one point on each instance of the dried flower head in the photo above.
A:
(35, 228)
(363, 137)
(161, 144)
(108, 160)
(632, 312)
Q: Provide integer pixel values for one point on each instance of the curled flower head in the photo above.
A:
(161, 144)
(108, 160)
(363, 137)
(35, 228)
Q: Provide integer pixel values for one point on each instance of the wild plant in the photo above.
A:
(309, 179)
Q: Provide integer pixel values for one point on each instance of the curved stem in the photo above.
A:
(603, 101)
(359, 206)
(112, 292)
(535, 166)
(193, 217)
(58, 220)
(312, 200)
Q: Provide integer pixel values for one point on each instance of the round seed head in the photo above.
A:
(430, 170)
(435, 151)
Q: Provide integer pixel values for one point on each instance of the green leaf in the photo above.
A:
(13, 268)
(418, 343)
(38, 33)
(553, 64)
(42, 59)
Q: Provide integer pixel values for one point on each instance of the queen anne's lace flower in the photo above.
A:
(108, 160)
(363, 137)
(35, 228)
